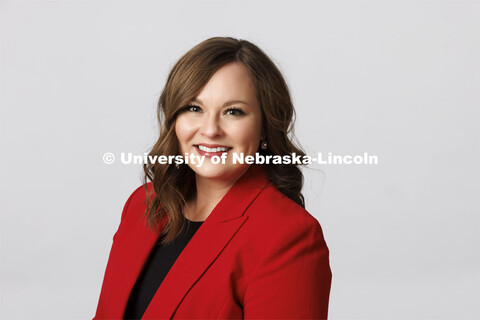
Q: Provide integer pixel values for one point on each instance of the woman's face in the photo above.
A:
(225, 117)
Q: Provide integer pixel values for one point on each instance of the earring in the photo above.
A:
(177, 166)
(264, 144)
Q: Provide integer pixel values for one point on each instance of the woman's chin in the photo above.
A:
(218, 171)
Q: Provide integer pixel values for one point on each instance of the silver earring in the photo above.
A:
(264, 144)
(177, 166)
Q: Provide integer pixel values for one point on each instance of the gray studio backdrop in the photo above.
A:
(398, 79)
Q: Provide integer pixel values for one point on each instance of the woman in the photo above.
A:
(229, 240)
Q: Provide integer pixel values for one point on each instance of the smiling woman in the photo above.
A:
(225, 117)
(228, 240)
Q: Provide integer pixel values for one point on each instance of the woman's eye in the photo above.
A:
(193, 108)
(235, 112)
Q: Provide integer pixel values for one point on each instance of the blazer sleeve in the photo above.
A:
(100, 312)
(293, 278)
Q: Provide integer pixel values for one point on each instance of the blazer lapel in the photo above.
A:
(210, 239)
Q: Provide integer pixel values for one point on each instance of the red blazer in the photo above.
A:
(257, 255)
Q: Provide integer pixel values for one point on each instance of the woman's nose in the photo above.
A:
(211, 126)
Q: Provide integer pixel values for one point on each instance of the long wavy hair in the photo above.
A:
(189, 75)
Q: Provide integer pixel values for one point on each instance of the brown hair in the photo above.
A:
(185, 81)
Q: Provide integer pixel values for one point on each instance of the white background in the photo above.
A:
(399, 79)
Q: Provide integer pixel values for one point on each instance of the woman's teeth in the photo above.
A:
(218, 149)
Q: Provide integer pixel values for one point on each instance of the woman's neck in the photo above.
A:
(209, 192)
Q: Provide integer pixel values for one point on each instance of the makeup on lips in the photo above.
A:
(210, 150)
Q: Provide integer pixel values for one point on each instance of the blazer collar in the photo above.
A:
(205, 246)
(242, 193)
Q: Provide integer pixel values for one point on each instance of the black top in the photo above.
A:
(156, 268)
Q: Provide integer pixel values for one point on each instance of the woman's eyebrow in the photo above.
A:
(226, 104)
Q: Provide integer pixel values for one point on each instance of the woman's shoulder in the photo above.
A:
(281, 211)
(139, 193)
(137, 199)
(277, 225)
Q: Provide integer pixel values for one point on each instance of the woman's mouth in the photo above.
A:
(211, 150)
